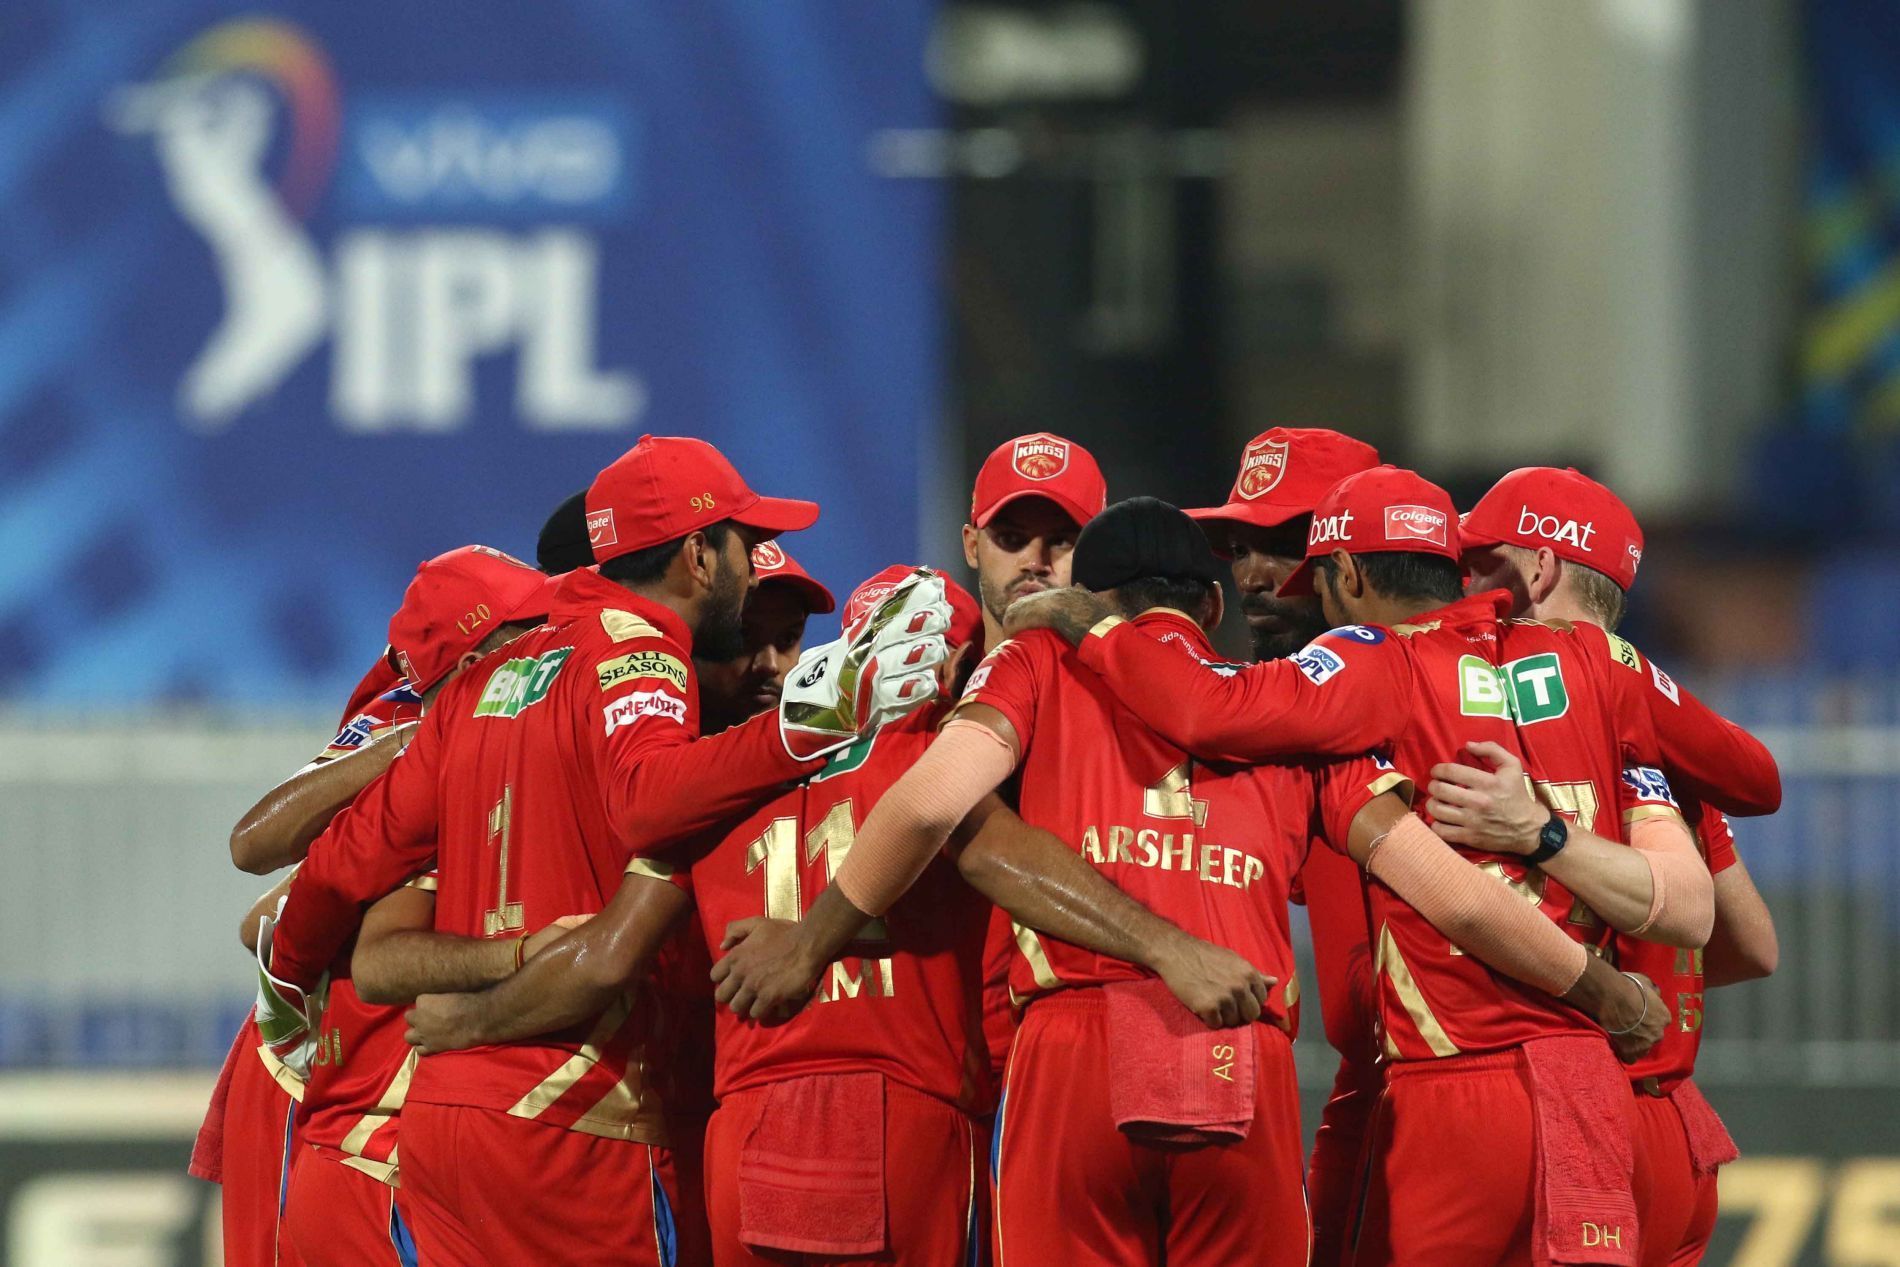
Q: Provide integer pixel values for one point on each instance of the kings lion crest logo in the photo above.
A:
(1262, 464)
(1040, 457)
(767, 557)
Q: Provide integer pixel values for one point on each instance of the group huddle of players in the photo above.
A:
(626, 929)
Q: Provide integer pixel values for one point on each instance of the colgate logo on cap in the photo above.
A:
(1262, 464)
(1040, 457)
(864, 602)
(767, 557)
(1416, 523)
(600, 528)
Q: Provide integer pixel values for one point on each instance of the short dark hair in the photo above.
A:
(562, 545)
(1406, 574)
(644, 566)
(1603, 597)
(1183, 593)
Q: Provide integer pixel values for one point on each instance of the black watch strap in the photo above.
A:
(1551, 839)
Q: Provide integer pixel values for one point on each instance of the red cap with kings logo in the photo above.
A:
(1384, 509)
(770, 563)
(1284, 471)
(1039, 465)
(455, 601)
(1578, 518)
(667, 486)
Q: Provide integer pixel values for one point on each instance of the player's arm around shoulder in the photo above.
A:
(1743, 945)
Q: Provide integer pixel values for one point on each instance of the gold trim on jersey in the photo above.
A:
(650, 869)
(1031, 946)
(285, 1076)
(426, 882)
(1640, 812)
(622, 1112)
(1389, 961)
(1101, 627)
(622, 626)
(387, 1106)
(1393, 781)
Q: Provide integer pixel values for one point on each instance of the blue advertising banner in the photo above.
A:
(294, 296)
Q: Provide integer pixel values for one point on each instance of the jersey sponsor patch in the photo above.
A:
(636, 665)
(1665, 684)
(517, 684)
(1480, 689)
(1359, 633)
(355, 734)
(1649, 784)
(1318, 664)
(1624, 654)
(1530, 690)
(978, 678)
(629, 709)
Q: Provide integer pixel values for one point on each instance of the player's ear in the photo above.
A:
(1216, 604)
(1545, 577)
(702, 561)
(970, 534)
(1346, 575)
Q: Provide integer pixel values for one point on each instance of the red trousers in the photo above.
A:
(258, 1140)
(1335, 1174)
(934, 1198)
(340, 1217)
(1071, 1190)
(1675, 1205)
(484, 1187)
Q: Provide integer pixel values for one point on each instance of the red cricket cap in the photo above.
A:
(1578, 518)
(456, 600)
(966, 617)
(667, 486)
(1039, 465)
(772, 564)
(1384, 509)
(1284, 471)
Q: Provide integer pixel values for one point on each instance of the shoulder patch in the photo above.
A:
(1623, 653)
(1368, 634)
(1406, 631)
(621, 626)
(641, 664)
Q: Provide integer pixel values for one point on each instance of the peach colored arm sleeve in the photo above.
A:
(1682, 905)
(1476, 912)
(912, 820)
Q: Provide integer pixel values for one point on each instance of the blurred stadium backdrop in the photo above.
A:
(295, 295)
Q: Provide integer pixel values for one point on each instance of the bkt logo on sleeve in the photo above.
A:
(465, 213)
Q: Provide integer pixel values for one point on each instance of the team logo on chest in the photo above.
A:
(1262, 463)
(1040, 457)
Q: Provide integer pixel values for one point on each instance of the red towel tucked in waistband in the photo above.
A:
(811, 1173)
(1586, 1211)
(1709, 1142)
(1171, 1079)
(207, 1151)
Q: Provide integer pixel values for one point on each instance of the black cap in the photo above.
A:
(1140, 538)
(563, 546)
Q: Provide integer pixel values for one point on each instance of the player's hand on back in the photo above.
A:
(1214, 983)
(768, 972)
(444, 1022)
(1070, 612)
(1486, 805)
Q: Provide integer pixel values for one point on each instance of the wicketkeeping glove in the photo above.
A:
(285, 1013)
(885, 665)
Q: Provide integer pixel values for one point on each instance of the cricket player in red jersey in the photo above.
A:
(1262, 529)
(1032, 495)
(1106, 1085)
(533, 781)
(1568, 548)
(847, 1134)
(750, 683)
(1384, 542)
(250, 1102)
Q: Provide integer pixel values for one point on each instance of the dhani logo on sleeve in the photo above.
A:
(1530, 690)
(518, 683)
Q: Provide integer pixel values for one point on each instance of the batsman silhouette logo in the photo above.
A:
(459, 234)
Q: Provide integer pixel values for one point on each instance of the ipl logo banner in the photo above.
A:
(463, 232)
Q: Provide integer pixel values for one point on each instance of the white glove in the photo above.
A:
(884, 666)
(284, 1012)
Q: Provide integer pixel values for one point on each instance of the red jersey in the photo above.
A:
(1212, 850)
(1678, 972)
(362, 1067)
(1421, 691)
(905, 1000)
(536, 775)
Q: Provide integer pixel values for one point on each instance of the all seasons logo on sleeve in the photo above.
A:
(636, 665)
(518, 683)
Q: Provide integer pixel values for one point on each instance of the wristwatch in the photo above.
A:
(1551, 839)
